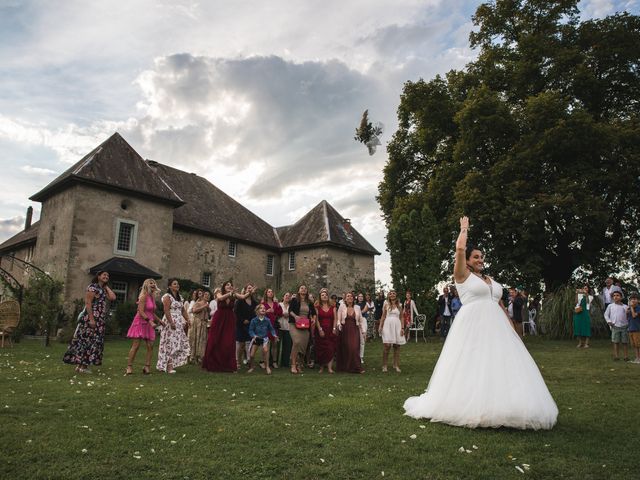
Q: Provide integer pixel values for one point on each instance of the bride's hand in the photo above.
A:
(464, 223)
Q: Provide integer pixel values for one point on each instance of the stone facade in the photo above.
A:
(193, 254)
(336, 269)
(95, 228)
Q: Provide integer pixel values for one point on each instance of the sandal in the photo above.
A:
(145, 370)
(384, 369)
(129, 371)
(294, 370)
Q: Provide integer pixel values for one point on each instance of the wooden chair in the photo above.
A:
(9, 318)
(417, 326)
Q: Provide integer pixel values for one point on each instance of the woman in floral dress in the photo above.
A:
(174, 344)
(87, 344)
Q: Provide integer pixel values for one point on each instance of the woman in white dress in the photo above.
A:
(485, 377)
(392, 330)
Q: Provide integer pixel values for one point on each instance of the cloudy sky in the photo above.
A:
(260, 97)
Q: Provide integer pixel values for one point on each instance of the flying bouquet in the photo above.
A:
(368, 133)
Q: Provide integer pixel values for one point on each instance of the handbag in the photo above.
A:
(302, 323)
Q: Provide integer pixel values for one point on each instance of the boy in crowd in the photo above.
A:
(633, 316)
(616, 317)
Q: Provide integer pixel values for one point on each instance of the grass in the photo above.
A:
(56, 424)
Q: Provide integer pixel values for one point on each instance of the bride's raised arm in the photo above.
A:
(460, 271)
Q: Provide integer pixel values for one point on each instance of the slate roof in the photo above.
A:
(208, 209)
(323, 225)
(124, 266)
(25, 237)
(116, 165)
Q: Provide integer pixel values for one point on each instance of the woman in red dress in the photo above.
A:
(273, 311)
(326, 339)
(349, 322)
(220, 355)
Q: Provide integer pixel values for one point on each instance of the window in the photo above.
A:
(29, 256)
(233, 246)
(126, 234)
(270, 259)
(206, 279)
(292, 260)
(120, 289)
(52, 235)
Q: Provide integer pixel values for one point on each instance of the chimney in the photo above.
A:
(27, 220)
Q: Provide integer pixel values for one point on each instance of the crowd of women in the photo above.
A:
(223, 333)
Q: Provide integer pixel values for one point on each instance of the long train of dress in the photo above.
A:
(485, 376)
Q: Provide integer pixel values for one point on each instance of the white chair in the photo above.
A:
(531, 322)
(418, 326)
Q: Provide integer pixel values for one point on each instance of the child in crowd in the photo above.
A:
(259, 330)
(633, 316)
(616, 317)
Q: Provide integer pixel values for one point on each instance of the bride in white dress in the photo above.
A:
(485, 376)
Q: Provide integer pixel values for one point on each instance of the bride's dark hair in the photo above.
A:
(467, 254)
(469, 250)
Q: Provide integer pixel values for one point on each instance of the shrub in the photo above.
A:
(121, 318)
(556, 315)
(41, 306)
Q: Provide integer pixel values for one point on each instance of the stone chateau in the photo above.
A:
(137, 218)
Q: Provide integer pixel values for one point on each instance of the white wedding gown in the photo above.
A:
(485, 376)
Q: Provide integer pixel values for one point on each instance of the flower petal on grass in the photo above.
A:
(413, 437)
(519, 469)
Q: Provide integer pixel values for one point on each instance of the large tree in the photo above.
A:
(538, 141)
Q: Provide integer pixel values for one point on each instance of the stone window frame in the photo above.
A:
(292, 261)
(115, 287)
(206, 279)
(232, 248)
(270, 264)
(134, 237)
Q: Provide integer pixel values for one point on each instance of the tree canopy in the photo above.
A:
(537, 141)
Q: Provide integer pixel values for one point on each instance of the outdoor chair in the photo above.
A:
(417, 326)
(9, 318)
(531, 322)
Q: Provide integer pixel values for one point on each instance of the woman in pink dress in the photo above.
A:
(349, 322)
(220, 354)
(326, 339)
(143, 325)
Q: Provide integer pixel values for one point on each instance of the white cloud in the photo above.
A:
(10, 226)
(44, 172)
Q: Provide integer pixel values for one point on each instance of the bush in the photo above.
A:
(121, 318)
(41, 306)
(556, 315)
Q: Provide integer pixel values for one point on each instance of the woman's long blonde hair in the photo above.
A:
(148, 289)
(396, 302)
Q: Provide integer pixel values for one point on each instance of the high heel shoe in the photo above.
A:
(145, 370)
(128, 371)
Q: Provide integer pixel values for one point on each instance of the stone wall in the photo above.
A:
(193, 254)
(336, 269)
(94, 234)
(16, 269)
(54, 237)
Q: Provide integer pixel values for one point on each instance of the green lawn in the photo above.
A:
(56, 424)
